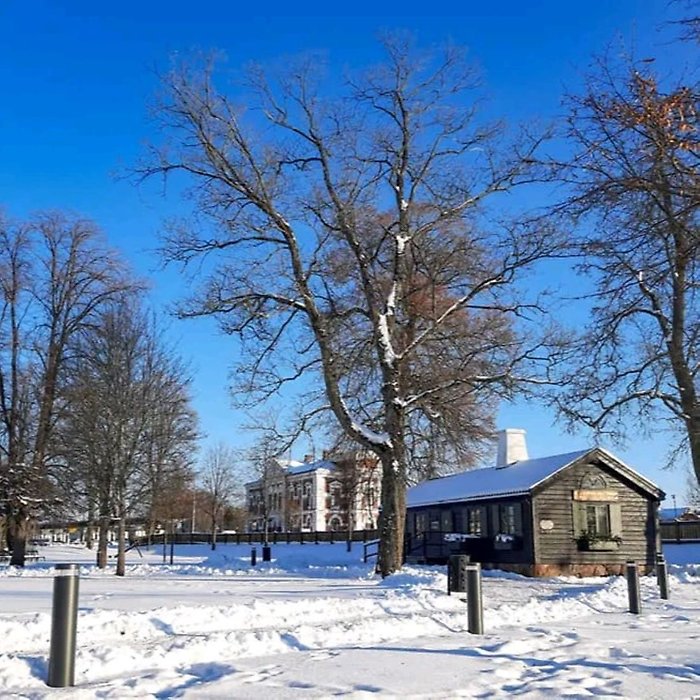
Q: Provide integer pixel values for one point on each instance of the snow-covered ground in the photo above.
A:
(316, 622)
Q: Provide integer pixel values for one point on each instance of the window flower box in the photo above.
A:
(502, 541)
(590, 542)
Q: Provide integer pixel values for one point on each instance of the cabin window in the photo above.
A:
(509, 519)
(598, 520)
(446, 521)
(597, 523)
(421, 522)
(474, 521)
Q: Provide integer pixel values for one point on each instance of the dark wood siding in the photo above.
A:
(453, 518)
(553, 502)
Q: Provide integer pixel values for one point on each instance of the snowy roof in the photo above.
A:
(286, 463)
(515, 479)
(302, 468)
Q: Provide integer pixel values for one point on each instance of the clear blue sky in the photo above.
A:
(76, 78)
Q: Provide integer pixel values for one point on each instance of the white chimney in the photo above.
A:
(511, 447)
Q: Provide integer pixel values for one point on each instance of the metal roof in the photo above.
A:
(514, 479)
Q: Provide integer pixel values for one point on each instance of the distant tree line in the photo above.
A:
(95, 415)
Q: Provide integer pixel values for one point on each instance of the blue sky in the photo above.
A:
(77, 76)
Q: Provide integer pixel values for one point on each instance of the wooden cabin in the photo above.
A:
(583, 513)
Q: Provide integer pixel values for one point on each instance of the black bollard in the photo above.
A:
(457, 573)
(662, 576)
(635, 600)
(253, 556)
(474, 603)
(64, 623)
(267, 553)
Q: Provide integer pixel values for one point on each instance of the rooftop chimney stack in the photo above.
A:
(511, 447)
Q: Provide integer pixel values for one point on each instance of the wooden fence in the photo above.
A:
(680, 531)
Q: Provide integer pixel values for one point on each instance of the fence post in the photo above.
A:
(635, 603)
(662, 576)
(253, 556)
(64, 624)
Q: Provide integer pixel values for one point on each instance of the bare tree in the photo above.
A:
(220, 481)
(130, 431)
(357, 472)
(635, 178)
(326, 218)
(55, 274)
(268, 492)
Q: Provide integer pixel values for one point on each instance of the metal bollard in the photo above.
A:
(475, 611)
(662, 576)
(64, 623)
(267, 553)
(457, 573)
(635, 601)
(253, 556)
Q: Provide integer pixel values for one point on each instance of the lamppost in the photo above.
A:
(675, 509)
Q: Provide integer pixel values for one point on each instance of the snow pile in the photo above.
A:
(317, 622)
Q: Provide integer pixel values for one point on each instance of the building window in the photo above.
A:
(474, 524)
(597, 525)
(509, 520)
(446, 522)
(598, 520)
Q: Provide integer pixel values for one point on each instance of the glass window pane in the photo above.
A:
(603, 518)
(474, 527)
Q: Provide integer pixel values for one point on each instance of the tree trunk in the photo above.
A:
(102, 543)
(392, 516)
(90, 531)
(693, 426)
(351, 521)
(213, 532)
(18, 531)
(121, 548)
